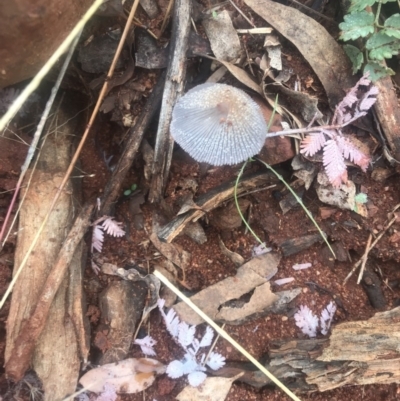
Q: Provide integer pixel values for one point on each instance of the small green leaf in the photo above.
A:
(361, 198)
(127, 192)
(357, 25)
(377, 71)
(355, 55)
(382, 46)
(133, 187)
(359, 5)
(392, 26)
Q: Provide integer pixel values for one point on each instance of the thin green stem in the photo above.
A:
(378, 12)
(273, 113)
(301, 204)
(237, 203)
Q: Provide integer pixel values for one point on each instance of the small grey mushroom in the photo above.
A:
(218, 124)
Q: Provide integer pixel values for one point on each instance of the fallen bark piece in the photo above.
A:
(388, 113)
(128, 376)
(173, 89)
(357, 353)
(342, 196)
(296, 245)
(172, 252)
(211, 200)
(56, 357)
(372, 287)
(249, 277)
(324, 54)
(121, 306)
(213, 389)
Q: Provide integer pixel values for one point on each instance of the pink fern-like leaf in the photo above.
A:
(97, 238)
(344, 111)
(312, 143)
(368, 99)
(306, 321)
(351, 152)
(113, 228)
(334, 164)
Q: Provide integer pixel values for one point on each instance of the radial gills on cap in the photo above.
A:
(218, 124)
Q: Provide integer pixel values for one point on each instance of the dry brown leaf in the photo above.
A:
(213, 389)
(128, 376)
(323, 53)
(224, 40)
(239, 74)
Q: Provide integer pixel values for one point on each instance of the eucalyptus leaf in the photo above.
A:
(317, 46)
(382, 46)
(355, 55)
(357, 25)
(392, 26)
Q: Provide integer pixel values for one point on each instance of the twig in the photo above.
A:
(313, 11)
(173, 89)
(114, 185)
(225, 335)
(242, 13)
(18, 270)
(38, 133)
(21, 354)
(311, 129)
(213, 345)
(167, 15)
(367, 250)
(364, 259)
(6, 118)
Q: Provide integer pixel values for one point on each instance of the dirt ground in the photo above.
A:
(320, 284)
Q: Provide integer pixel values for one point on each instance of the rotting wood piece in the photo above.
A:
(113, 188)
(174, 86)
(21, 354)
(211, 200)
(357, 353)
(388, 113)
(55, 358)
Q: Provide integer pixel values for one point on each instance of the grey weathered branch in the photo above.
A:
(174, 86)
(114, 185)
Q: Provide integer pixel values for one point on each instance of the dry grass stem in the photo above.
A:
(19, 269)
(225, 335)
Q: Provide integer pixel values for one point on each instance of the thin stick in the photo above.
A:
(364, 259)
(311, 129)
(242, 13)
(167, 15)
(225, 335)
(213, 345)
(38, 133)
(76, 155)
(388, 225)
(49, 64)
(25, 343)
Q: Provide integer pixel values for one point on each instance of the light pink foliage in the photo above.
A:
(191, 365)
(309, 323)
(105, 224)
(336, 147)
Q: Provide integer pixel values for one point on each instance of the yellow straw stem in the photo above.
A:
(225, 335)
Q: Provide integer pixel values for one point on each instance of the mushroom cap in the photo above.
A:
(218, 124)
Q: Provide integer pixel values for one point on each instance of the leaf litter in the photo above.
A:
(343, 148)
